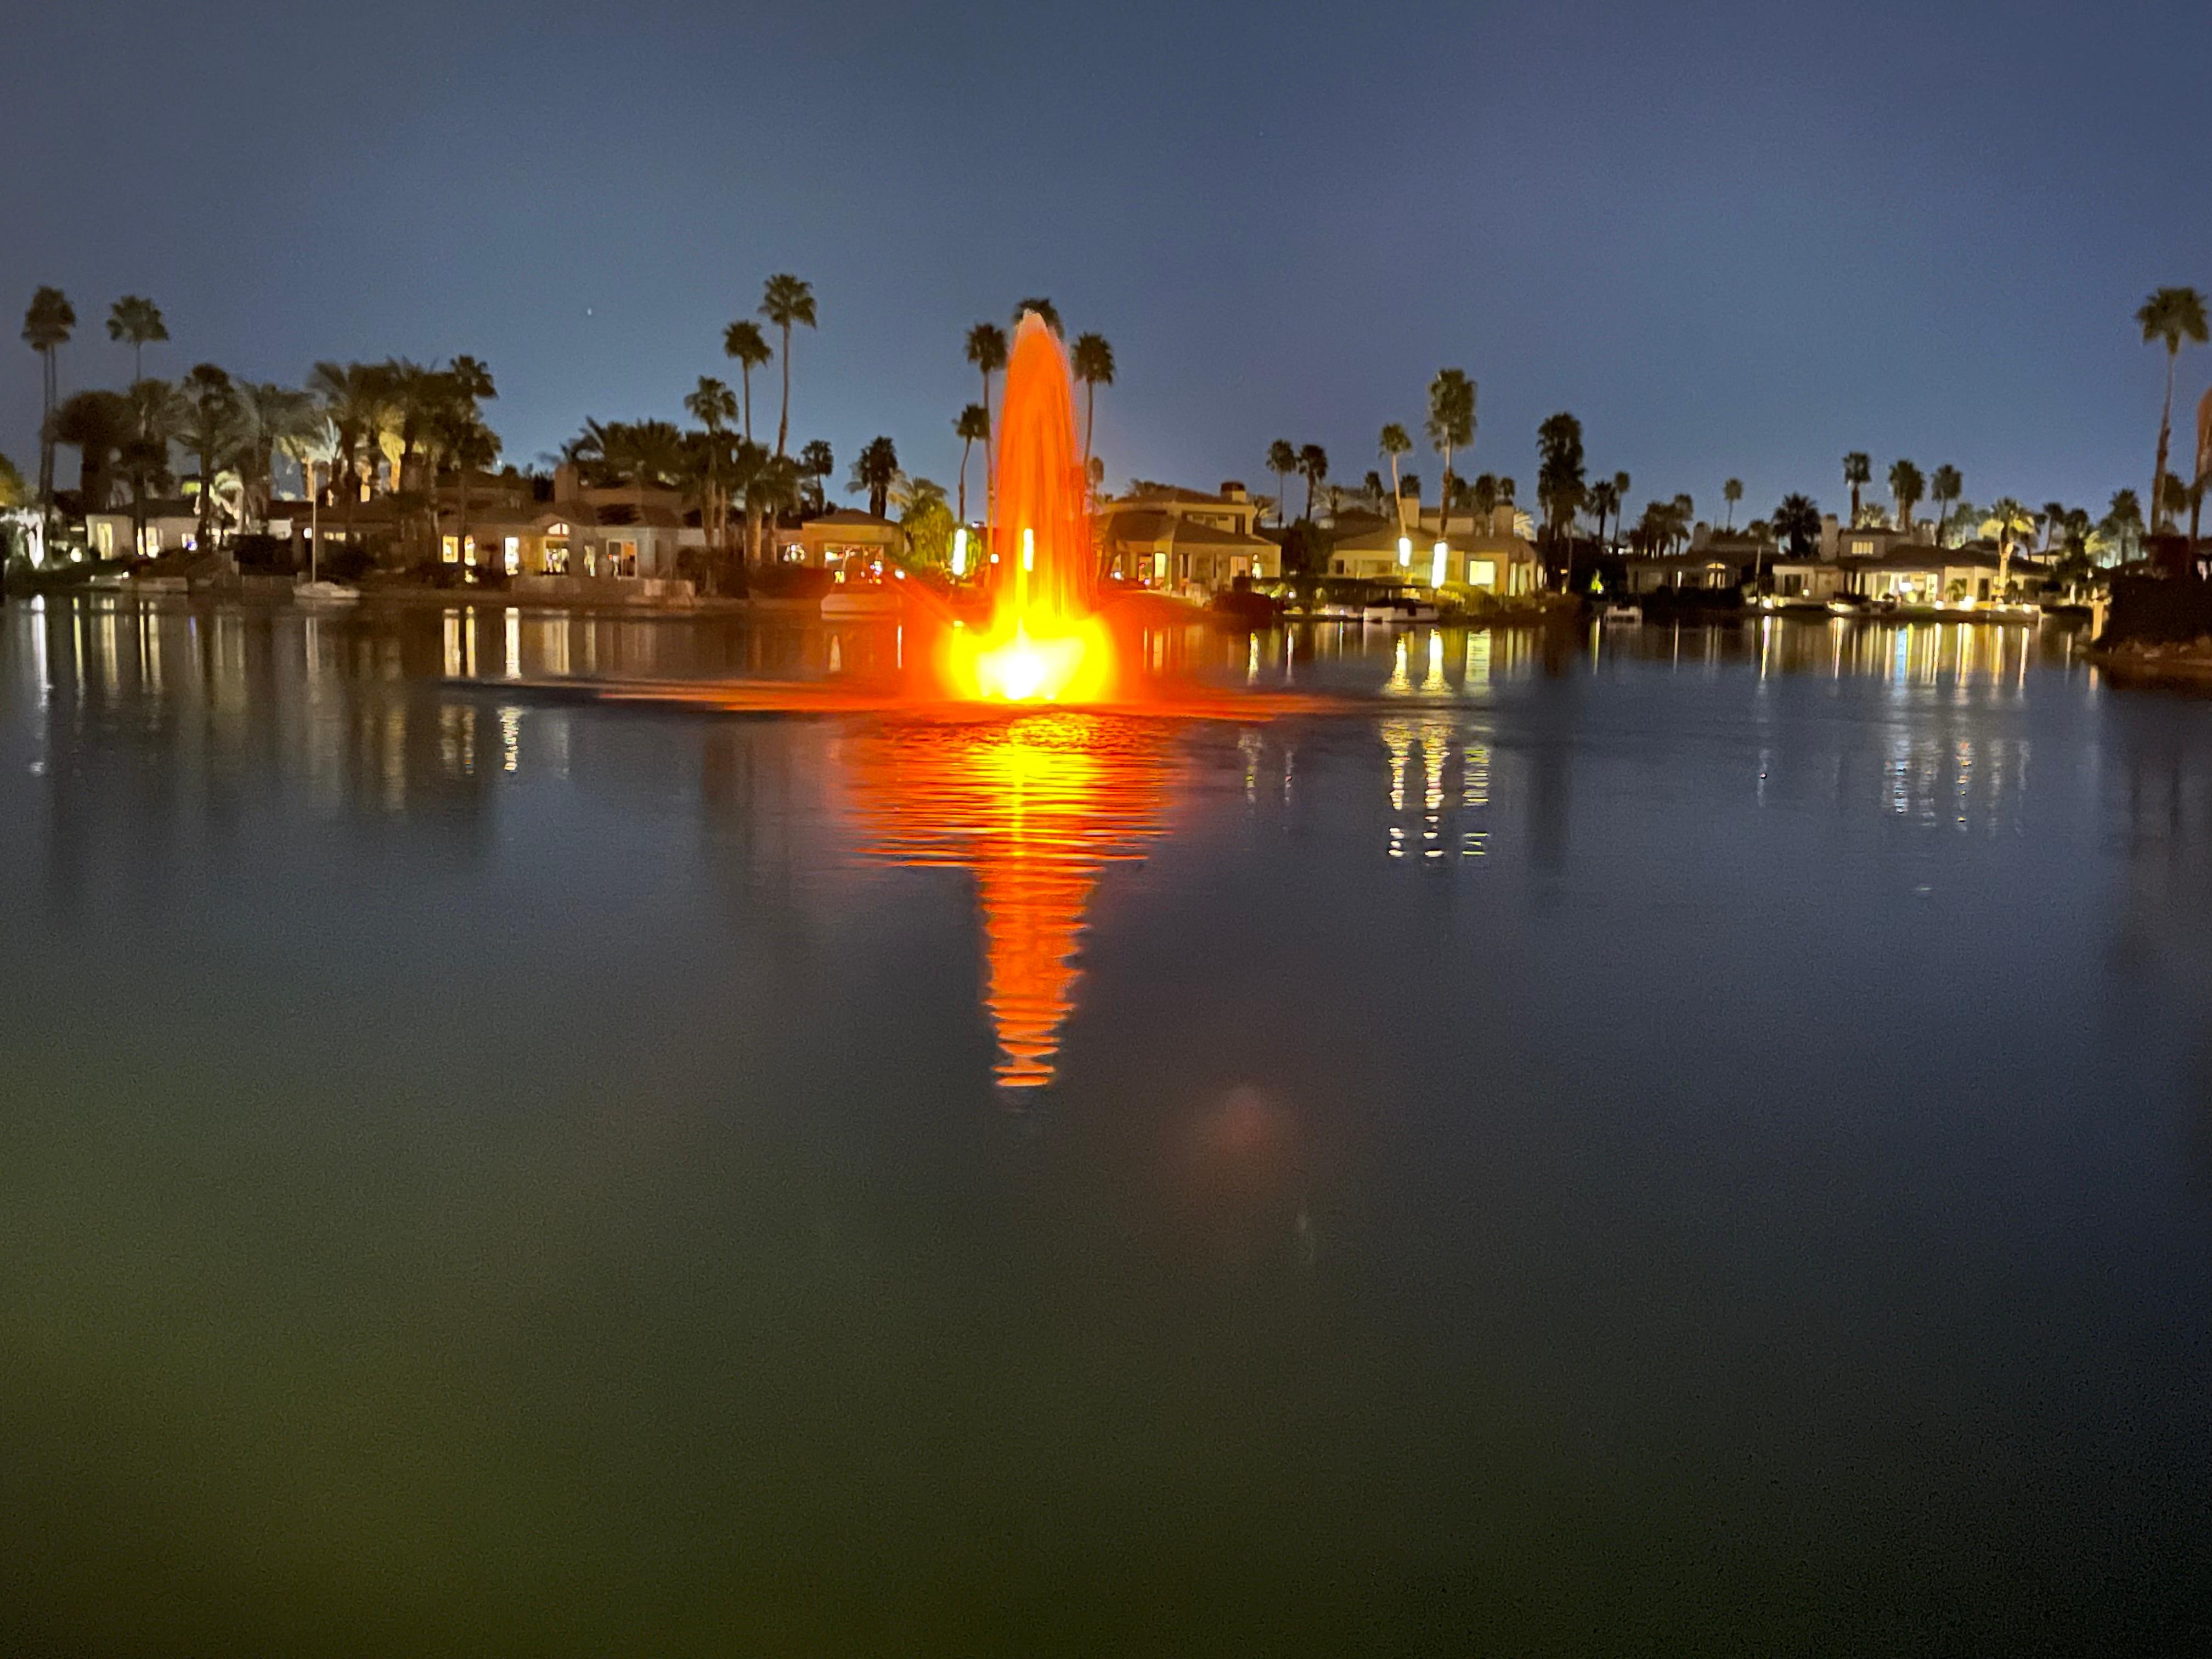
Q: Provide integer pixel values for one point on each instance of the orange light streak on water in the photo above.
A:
(1038, 806)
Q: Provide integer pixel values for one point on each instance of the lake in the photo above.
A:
(1635, 1140)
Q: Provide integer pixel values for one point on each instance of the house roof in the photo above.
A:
(1176, 493)
(1920, 556)
(847, 518)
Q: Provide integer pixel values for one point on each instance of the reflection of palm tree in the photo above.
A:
(786, 302)
(973, 425)
(2172, 315)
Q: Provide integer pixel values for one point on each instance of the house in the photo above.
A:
(1698, 572)
(1486, 553)
(172, 524)
(1919, 575)
(1874, 542)
(1185, 540)
(1793, 578)
(844, 540)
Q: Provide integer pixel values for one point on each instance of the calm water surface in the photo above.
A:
(1647, 1142)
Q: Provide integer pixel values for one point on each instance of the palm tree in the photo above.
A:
(1732, 492)
(2172, 315)
(1450, 426)
(1603, 500)
(815, 463)
(353, 396)
(1906, 486)
(875, 469)
(137, 321)
(47, 323)
(1313, 467)
(1047, 313)
(1394, 442)
(713, 406)
(207, 426)
(1282, 461)
(268, 418)
(2123, 521)
(1943, 487)
(155, 414)
(1857, 470)
(2054, 524)
(1093, 361)
(314, 446)
(2007, 521)
(786, 302)
(972, 425)
(744, 342)
(1797, 522)
(1621, 494)
(986, 349)
(97, 425)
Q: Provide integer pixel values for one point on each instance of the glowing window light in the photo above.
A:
(1405, 552)
(1437, 566)
(960, 551)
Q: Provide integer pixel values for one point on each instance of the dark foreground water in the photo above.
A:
(1698, 1144)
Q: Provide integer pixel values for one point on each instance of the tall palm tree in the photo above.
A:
(815, 463)
(2171, 316)
(713, 406)
(2009, 520)
(2054, 524)
(269, 418)
(875, 469)
(207, 426)
(972, 425)
(314, 446)
(1796, 523)
(1313, 467)
(1094, 367)
(155, 414)
(97, 425)
(1858, 468)
(1603, 500)
(136, 320)
(1906, 486)
(1282, 461)
(743, 342)
(786, 302)
(47, 324)
(1047, 313)
(986, 349)
(352, 395)
(2203, 468)
(1943, 487)
(1450, 426)
(1732, 492)
(1394, 442)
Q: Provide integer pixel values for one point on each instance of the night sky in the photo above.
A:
(1734, 237)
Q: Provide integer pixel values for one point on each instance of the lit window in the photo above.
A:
(513, 554)
(453, 548)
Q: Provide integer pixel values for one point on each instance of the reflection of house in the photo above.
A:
(1185, 540)
(1696, 571)
(1919, 575)
(172, 524)
(837, 540)
(1482, 553)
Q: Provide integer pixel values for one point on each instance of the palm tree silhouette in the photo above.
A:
(1906, 486)
(47, 324)
(1313, 467)
(2172, 315)
(1857, 470)
(1732, 492)
(1450, 426)
(1394, 442)
(971, 425)
(1093, 361)
(1282, 461)
(786, 302)
(743, 342)
(986, 349)
(136, 320)
(1943, 487)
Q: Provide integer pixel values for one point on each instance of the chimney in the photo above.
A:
(567, 482)
(1233, 490)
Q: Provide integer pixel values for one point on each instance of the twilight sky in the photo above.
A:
(1737, 236)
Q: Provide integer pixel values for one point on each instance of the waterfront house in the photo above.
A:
(1793, 577)
(1483, 552)
(1917, 574)
(845, 540)
(172, 524)
(1186, 541)
(1677, 572)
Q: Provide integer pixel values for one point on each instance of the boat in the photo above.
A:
(325, 593)
(1619, 610)
(1406, 613)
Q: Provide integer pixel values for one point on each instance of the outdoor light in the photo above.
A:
(960, 551)
(1405, 552)
(1437, 566)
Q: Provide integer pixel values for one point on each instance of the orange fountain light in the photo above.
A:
(1044, 642)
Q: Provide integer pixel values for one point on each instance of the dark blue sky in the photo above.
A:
(1732, 237)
